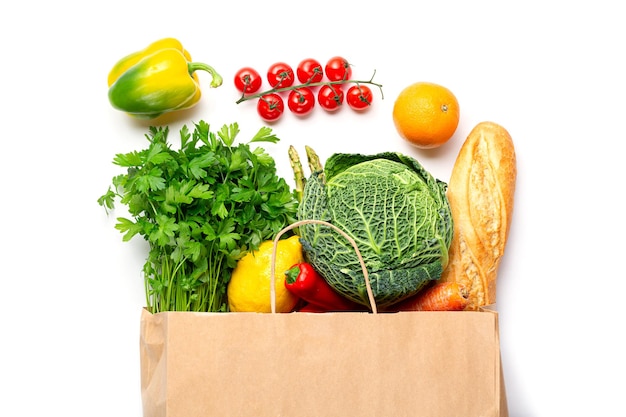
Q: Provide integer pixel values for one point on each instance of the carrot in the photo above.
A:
(443, 296)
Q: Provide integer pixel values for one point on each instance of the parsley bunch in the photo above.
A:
(201, 208)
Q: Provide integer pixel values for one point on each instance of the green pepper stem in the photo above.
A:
(216, 80)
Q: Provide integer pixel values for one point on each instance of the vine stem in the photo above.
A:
(309, 84)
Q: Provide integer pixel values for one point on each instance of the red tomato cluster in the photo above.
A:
(301, 98)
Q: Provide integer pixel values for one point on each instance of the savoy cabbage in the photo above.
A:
(397, 213)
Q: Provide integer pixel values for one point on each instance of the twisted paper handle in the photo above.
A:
(370, 294)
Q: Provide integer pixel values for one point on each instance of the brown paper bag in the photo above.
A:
(431, 364)
(321, 364)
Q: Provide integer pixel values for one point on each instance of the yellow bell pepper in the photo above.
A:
(158, 79)
(249, 286)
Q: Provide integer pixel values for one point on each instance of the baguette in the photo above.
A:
(481, 191)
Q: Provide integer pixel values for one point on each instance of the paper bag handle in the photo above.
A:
(370, 294)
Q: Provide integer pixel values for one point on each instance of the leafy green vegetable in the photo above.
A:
(201, 208)
(397, 213)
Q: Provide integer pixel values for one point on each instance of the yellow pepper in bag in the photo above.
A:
(249, 286)
(156, 80)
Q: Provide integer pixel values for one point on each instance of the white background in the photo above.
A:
(552, 73)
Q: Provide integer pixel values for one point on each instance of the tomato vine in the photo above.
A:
(274, 90)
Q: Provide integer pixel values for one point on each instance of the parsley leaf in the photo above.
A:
(201, 208)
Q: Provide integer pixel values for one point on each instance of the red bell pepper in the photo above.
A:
(312, 308)
(304, 281)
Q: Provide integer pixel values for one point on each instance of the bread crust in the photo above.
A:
(481, 194)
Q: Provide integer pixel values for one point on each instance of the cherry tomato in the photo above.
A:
(330, 97)
(248, 80)
(359, 97)
(301, 101)
(280, 75)
(309, 70)
(338, 69)
(270, 107)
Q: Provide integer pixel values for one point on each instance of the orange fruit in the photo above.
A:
(426, 114)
